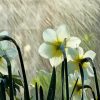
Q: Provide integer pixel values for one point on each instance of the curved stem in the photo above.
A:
(95, 74)
(26, 91)
(93, 94)
(82, 78)
(73, 88)
(10, 77)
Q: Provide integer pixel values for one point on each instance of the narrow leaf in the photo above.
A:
(52, 87)
(41, 93)
(36, 90)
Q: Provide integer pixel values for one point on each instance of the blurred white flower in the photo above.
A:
(6, 49)
(77, 94)
(77, 55)
(53, 43)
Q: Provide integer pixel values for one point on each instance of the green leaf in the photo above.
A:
(52, 87)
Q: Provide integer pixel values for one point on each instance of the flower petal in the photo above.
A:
(47, 50)
(90, 71)
(90, 54)
(72, 67)
(55, 61)
(73, 42)
(11, 53)
(4, 44)
(81, 52)
(77, 97)
(4, 33)
(62, 32)
(73, 53)
(49, 35)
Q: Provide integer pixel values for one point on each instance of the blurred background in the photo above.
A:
(27, 19)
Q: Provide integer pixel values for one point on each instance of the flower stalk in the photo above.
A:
(26, 91)
(95, 75)
(10, 77)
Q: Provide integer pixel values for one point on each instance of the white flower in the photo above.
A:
(53, 40)
(77, 55)
(77, 94)
(6, 48)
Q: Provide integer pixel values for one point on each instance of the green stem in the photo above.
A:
(82, 78)
(10, 77)
(36, 90)
(62, 79)
(3, 95)
(93, 94)
(66, 77)
(95, 74)
(26, 91)
(74, 89)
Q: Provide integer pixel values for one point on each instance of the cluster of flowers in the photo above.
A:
(58, 43)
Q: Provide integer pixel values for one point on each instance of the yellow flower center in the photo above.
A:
(57, 45)
(77, 61)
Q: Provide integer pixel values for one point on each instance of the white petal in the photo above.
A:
(90, 71)
(73, 42)
(62, 32)
(85, 96)
(86, 76)
(72, 67)
(47, 50)
(4, 45)
(55, 61)
(80, 50)
(73, 53)
(90, 54)
(11, 53)
(49, 35)
(2, 52)
(77, 97)
(71, 78)
(4, 33)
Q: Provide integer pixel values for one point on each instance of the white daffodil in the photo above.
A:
(77, 94)
(6, 49)
(54, 42)
(77, 55)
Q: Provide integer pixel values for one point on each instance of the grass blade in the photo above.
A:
(3, 95)
(52, 87)
(36, 91)
(41, 93)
